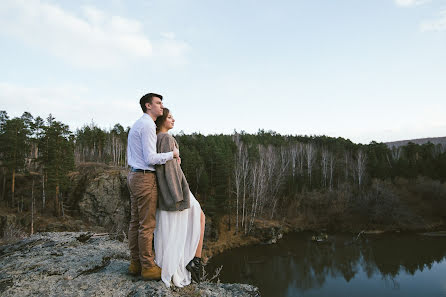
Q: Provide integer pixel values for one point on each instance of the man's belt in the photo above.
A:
(142, 170)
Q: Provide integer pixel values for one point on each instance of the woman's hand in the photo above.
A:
(176, 153)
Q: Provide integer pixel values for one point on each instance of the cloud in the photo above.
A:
(41, 100)
(170, 50)
(74, 105)
(93, 40)
(408, 3)
(437, 25)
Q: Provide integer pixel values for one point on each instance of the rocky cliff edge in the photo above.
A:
(86, 264)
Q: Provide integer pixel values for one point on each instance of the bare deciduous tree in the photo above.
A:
(310, 154)
(324, 166)
(332, 163)
(43, 190)
(32, 207)
(258, 185)
(396, 153)
(296, 154)
(359, 167)
(241, 174)
(278, 177)
(347, 161)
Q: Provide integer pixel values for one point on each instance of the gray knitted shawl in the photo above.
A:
(173, 190)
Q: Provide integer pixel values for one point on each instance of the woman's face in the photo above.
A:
(169, 122)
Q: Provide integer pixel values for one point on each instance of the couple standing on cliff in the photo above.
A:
(156, 180)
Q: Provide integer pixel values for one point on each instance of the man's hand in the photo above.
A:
(176, 153)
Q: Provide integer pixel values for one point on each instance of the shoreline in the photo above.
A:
(263, 231)
(271, 231)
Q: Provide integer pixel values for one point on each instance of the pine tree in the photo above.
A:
(3, 119)
(14, 146)
(56, 158)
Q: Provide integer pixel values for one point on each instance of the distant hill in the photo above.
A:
(434, 140)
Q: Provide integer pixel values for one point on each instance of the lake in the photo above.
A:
(373, 265)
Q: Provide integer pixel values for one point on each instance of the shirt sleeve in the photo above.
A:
(148, 139)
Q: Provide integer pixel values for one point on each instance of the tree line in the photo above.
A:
(247, 175)
(255, 175)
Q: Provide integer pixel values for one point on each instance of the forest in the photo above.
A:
(250, 176)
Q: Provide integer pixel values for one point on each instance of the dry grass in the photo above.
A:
(12, 233)
(228, 239)
(215, 275)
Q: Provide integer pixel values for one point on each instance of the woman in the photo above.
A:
(179, 219)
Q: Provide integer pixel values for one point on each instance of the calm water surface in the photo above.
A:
(375, 265)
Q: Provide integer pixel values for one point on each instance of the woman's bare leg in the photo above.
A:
(200, 243)
(195, 266)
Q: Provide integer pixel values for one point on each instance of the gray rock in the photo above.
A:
(269, 234)
(104, 200)
(86, 264)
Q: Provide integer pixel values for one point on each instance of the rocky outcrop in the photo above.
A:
(86, 264)
(106, 201)
(100, 197)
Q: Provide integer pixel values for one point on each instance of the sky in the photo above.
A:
(369, 70)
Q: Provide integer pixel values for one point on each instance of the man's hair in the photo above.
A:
(147, 98)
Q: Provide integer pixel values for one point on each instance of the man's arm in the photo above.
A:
(148, 138)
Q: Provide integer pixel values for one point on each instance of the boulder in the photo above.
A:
(268, 234)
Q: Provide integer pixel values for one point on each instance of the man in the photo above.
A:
(141, 181)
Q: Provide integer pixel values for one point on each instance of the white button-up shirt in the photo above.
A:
(141, 146)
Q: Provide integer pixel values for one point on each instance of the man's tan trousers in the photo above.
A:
(143, 198)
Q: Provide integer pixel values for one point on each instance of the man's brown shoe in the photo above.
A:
(151, 273)
(134, 268)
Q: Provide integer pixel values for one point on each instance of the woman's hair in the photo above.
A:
(160, 120)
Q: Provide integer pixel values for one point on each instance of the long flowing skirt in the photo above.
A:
(177, 234)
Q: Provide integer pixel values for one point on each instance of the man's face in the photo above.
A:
(156, 108)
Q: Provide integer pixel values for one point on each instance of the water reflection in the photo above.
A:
(297, 266)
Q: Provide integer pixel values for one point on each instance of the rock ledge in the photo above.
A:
(84, 264)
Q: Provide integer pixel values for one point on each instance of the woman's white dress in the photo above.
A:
(177, 234)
